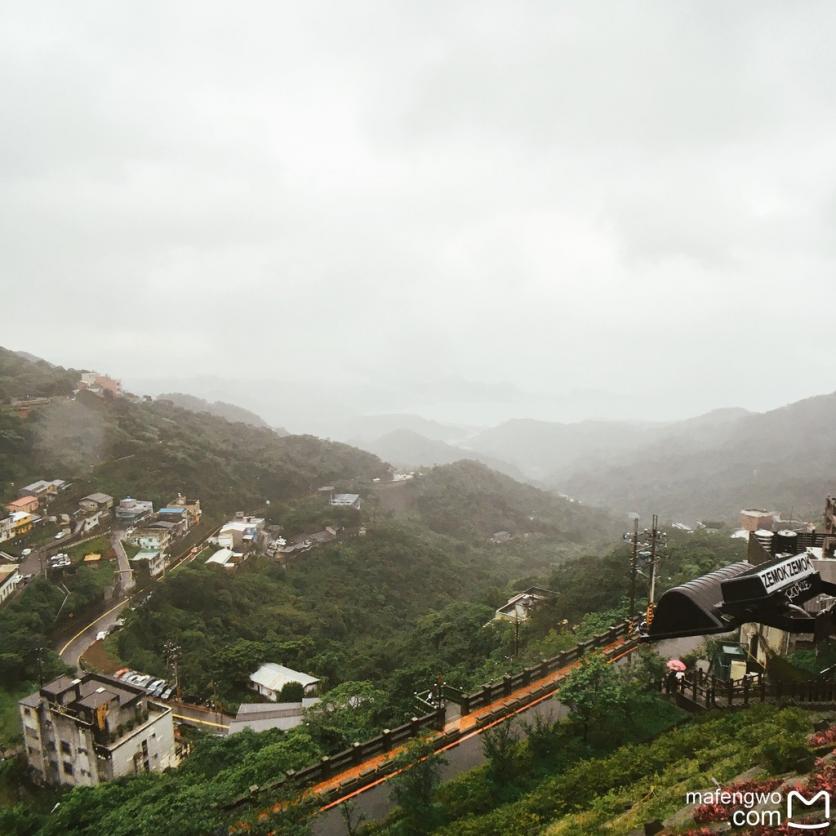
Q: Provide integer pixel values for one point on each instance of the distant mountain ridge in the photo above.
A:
(784, 459)
(228, 411)
(408, 449)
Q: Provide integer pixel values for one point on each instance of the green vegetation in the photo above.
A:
(24, 377)
(468, 500)
(559, 786)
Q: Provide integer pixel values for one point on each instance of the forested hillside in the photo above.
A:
(229, 411)
(25, 376)
(782, 460)
(467, 499)
(154, 449)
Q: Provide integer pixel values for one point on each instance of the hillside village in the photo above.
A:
(136, 563)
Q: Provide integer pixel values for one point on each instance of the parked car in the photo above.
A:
(142, 681)
(127, 672)
(153, 685)
(101, 635)
(167, 693)
(26, 553)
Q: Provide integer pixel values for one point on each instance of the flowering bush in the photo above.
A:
(822, 738)
(723, 812)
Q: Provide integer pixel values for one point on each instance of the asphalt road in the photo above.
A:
(126, 574)
(73, 650)
(375, 804)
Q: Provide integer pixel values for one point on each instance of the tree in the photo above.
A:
(292, 692)
(349, 712)
(414, 787)
(499, 746)
(594, 692)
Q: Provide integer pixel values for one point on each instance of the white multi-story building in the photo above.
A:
(82, 732)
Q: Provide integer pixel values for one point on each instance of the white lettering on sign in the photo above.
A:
(786, 572)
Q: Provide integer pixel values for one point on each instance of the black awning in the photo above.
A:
(694, 608)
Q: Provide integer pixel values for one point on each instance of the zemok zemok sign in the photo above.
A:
(791, 579)
(785, 573)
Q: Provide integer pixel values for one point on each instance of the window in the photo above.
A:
(51, 745)
(65, 747)
(27, 712)
(68, 768)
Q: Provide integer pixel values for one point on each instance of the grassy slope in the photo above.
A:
(617, 793)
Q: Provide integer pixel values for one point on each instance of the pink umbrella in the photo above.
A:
(676, 665)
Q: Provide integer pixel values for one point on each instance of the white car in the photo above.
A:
(101, 635)
(26, 553)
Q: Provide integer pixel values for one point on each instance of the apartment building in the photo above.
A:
(82, 732)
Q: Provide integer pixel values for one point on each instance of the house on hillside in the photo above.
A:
(177, 515)
(10, 579)
(270, 678)
(16, 525)
(259, 716)
(91, 729)
(24, 504)
(345, 500)
(241, 532)
(95, 502)
(520, 606)
(153, 561)
(752, 519)
(226, 558)
(154, 537)
(130, 511)
(43, 489)
(100, 384)
(192, 507)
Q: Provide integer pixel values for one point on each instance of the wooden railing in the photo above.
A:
(389, 739)
(703, 691)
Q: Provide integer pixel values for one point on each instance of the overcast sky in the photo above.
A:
(534, 198)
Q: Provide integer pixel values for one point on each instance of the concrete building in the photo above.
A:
(95, 502)
(225, 557)
(259, 716)
(9, 580)
(241, 532)
(153, 561)
(519, 607)
(24, 504)
(270, 678)
(130, 511)
(192, 507)
(752, 519)
(155, 536)
(42, 488)
(346, 500)
(82, 732)
(16, 524)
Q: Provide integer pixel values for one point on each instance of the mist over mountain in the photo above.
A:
(229, 411)
(712, 466)
(408, 449)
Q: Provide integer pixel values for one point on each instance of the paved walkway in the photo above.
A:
(467, 725)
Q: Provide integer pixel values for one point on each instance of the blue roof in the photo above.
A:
(176, 510)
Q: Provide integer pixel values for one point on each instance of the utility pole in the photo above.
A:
(634, 561)
(172, 652)
(655, 535)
